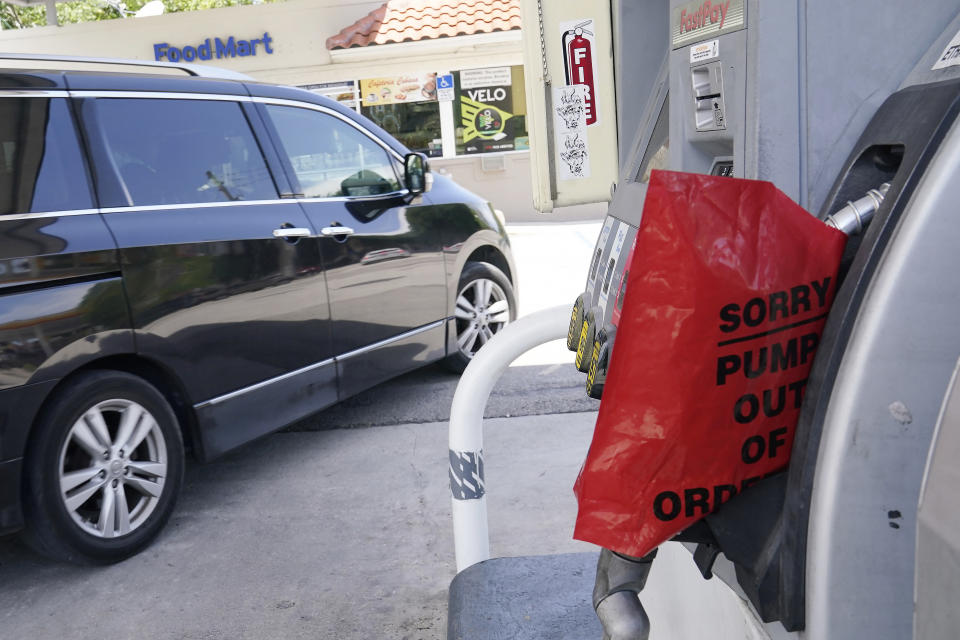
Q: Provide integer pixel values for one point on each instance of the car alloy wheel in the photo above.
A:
(485, 302)
(482, 310)
(103, 469)
(113, 465)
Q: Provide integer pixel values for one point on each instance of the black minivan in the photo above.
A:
(188, 263)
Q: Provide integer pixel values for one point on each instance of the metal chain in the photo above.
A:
(543, 45)
(548, 108)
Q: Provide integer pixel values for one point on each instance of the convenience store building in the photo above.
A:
(444, 76)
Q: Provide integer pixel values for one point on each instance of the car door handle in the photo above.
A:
(291, 232)
(336, 231)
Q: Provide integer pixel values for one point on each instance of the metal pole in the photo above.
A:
(470, 532)
(52, 13)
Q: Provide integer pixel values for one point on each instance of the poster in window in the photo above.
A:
(343, 92)
(414, 87)
(486, 110)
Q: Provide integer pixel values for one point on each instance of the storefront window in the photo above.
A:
(490, 110)
(407, 107)
(416, 125)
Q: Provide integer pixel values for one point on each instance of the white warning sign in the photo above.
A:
(704, 51)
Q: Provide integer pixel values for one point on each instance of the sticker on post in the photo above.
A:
(579, 63)
(466, 475)
(718, 120)
(950, 55)
(570, 127)
(704, 51)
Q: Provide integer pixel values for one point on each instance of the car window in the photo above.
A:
(41, 166)
(184, 151)
(330, 157)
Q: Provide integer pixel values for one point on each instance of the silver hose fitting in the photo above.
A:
(623, 617)
(615, 595)
(853, 218)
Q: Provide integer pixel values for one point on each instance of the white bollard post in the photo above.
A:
(470, 531)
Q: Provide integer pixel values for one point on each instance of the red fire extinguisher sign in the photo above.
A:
(578, 48)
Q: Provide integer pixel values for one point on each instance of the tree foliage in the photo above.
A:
(17, 17)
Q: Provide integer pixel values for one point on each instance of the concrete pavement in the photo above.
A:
(552, 261)
(332, 534)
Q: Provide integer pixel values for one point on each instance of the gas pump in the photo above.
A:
(850, 109)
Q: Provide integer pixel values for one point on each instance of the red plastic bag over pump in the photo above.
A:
(727, 295)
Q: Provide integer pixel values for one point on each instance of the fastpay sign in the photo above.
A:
(579, 47)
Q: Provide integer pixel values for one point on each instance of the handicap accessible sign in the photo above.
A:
(445, 88)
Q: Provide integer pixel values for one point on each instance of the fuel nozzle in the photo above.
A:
(620, 579)
(853, 218)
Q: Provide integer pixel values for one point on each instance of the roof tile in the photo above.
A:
(412, 20)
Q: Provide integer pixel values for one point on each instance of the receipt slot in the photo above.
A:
(708, 111)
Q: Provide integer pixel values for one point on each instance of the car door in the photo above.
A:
(57, 259)
(61, 296)
(224, 278)
(382, 248)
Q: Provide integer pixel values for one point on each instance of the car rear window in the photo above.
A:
(41, 166)
(184, 151)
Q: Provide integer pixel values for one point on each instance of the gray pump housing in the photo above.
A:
(826, 100)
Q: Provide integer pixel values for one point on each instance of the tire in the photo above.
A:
(91, 507)
(585, 343)
(477, 322)
(576, 321)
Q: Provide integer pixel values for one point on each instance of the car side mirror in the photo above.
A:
(416, 170)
